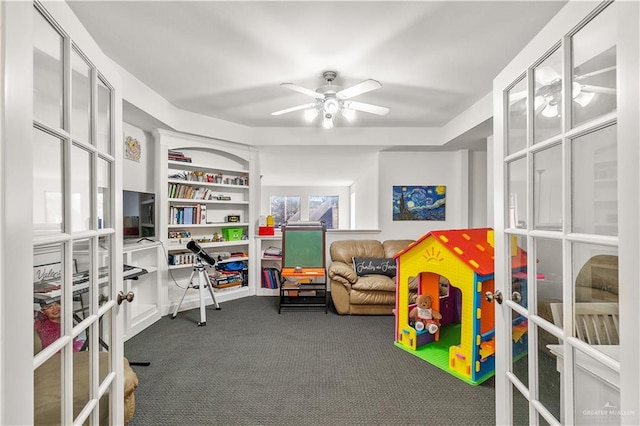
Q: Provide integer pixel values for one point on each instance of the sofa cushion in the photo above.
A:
(357, 297)
(345, 250)
(374, 266)
(375, 283)
(392, 247)
(343, 273)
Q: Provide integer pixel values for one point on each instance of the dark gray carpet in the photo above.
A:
(251, 366)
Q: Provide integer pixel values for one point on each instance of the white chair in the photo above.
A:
(595, 323)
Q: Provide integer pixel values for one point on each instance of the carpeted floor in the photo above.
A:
(251, 366)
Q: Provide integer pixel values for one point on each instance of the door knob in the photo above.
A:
(516, 297)
(497, 296)
(122, 297)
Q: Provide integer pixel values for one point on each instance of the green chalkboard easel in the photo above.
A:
(303, 247)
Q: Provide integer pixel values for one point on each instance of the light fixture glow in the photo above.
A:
(310, 114)
(327, 123)
(538, 102)
(551, 110)
(349, 114)
(331, 105)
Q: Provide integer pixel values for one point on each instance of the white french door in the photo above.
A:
(62, 258)
(567, 182)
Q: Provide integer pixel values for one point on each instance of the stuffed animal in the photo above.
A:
(424, 316)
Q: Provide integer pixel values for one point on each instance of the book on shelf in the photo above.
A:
(270, 278)
(178, 156)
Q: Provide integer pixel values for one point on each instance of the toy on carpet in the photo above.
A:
(424, 316)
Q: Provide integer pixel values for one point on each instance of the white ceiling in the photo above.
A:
(226, 59)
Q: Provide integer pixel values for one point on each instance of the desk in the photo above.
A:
(596, 387)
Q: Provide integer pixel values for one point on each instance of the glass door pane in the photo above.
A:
(103, 119)
(80, 189)
(547, 188)
(594, 68)
(517, 117)
(48, 73)
(595, 182)
(547, 116)
(104, 194)
(48, 284)
(48, 178)
(81, 98)
(517, 190)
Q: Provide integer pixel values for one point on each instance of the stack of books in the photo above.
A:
(222, 279)
(178, 156)
(272, 252)
(271, 278)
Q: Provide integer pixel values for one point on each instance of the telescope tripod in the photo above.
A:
(203, 282)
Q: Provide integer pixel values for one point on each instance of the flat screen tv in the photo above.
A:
(139, 214)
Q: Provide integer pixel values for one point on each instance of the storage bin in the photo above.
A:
(231, 233)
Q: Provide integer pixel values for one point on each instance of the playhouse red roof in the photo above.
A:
(471, 246)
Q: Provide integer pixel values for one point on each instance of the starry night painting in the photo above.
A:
(419, 202)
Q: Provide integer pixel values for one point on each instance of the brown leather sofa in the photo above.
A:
(368, 294)
(47, 388)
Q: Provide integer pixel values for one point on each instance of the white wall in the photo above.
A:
(366, 196)
(478, 190)
(429, 168)
(139, 176)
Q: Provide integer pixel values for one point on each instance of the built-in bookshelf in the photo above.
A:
(267, 258)
(206, 197)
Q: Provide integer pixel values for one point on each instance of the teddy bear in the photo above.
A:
(424, 316)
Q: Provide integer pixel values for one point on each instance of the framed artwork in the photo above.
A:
(132, 149)
(419, 202)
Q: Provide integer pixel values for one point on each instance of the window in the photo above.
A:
(324, 208)
(284, 208)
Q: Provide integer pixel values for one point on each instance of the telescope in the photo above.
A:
(203, 255)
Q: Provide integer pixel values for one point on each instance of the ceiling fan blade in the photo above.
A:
(295, 108)
(372, 109)
(593, 73)
(546, 75)
(598, 89)
(358, 89)
(303, 90)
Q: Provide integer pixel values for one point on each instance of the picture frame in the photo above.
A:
(414, 202)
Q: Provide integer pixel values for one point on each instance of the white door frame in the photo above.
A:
(628, 50)
(16, 253)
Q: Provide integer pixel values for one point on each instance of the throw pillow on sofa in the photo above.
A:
(374, 266)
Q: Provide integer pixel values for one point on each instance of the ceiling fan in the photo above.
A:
(548, 92)
(331, 99)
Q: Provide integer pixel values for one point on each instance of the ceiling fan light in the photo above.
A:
(331, 105)
(576, 89)
(310, 114)
(584, 98)
(349, 114)
(327, 123)
(551, 110)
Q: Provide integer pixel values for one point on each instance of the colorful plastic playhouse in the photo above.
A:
(456, 267)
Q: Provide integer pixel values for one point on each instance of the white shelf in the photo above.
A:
(236, 163)
(192, 200)
(144, 309)
(173, 247)
(212, 169)
(190, 265)
(210, 225)
(209, 184)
